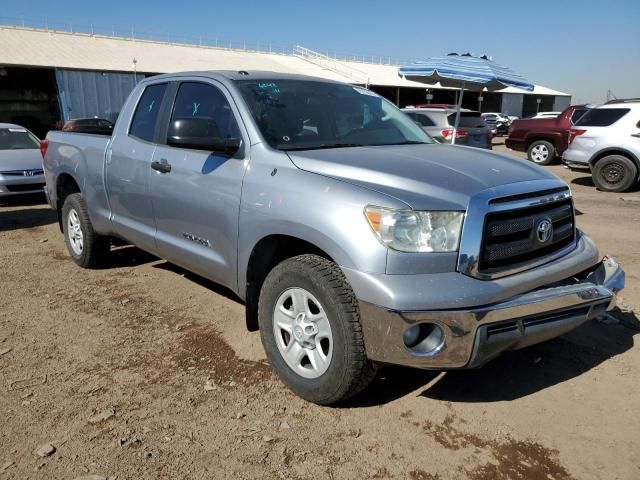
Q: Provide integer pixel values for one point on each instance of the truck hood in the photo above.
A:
(23, 159)
(439, 177)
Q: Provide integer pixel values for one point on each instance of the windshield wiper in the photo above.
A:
(324, 146)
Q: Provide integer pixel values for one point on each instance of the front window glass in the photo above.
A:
(17, 139)
(204, 101)
(301, 115)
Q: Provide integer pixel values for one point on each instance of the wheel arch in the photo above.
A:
(66, 185)
(266, 254)
(537, 137)
(600, 154)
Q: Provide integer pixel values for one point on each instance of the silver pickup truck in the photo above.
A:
(351, 236)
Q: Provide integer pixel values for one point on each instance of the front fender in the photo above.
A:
(322, 211)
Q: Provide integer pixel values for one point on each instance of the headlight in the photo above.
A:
(414, 231)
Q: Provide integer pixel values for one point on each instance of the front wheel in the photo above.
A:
(614, 173)
(311, 332)
(541, 152)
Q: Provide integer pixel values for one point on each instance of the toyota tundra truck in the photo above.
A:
(353, 239)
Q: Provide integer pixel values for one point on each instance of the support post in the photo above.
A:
(459, 106)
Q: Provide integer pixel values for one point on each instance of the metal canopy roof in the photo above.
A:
(42, 48)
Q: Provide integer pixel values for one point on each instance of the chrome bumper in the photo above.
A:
(474, 336)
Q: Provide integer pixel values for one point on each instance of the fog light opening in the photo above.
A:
(424, 339)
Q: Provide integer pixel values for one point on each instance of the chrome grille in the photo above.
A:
(23, 173)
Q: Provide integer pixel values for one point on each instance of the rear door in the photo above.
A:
(197, 202)
(128, 170)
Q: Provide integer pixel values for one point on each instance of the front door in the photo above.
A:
(196, 193)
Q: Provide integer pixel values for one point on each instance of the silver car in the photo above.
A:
(20, 161)
(439, 123)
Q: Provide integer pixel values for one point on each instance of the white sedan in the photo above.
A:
(20, 161)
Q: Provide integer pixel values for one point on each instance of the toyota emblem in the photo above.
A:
(544, 230)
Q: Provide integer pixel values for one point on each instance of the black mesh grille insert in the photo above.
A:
(516, 237)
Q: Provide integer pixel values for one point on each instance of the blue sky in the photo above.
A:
(580, 47)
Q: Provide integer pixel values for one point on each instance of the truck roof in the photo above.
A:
(235, 75)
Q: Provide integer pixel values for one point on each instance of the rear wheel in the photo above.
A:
(86, 247)
(614, 173)
(311, 331)
(541, 152)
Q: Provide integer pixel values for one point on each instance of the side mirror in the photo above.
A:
(201, 134)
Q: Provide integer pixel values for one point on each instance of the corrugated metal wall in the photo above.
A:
(93, 94)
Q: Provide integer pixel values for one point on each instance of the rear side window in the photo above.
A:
(468, 120)
(422, 119)
(577, 114)
(601, 117)
(143, 125)
(201, 100)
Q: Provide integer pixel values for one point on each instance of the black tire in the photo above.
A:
(541, 152)
(349, 370)
(94, 247)
(614, 173)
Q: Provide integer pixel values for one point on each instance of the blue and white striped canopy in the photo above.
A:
(464, 71)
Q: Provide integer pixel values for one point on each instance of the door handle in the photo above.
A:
(162, 166)
(637, 135)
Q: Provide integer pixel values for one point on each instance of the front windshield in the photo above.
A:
(17, 139)
(305, 115)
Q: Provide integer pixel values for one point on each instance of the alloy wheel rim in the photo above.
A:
(539, 153)
(74, 232)
(303, 333)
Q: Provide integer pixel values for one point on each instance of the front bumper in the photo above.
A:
(17, 185)
(473, 336)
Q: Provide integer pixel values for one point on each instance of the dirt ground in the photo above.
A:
(144, 371)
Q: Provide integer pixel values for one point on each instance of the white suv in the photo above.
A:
(607, 140)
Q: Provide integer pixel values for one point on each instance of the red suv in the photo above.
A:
(544, 138)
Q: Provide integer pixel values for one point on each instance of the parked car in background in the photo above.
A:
(544, 138)
(501, 116)
(439, 123)
(353, 238)
(607, 140)
(20, 161)
(545, 115)
(498, 123)
(98, 126)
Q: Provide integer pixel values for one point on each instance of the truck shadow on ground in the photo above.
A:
(35, 214)
(203, 282)
(127, 256)
(515, 374)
